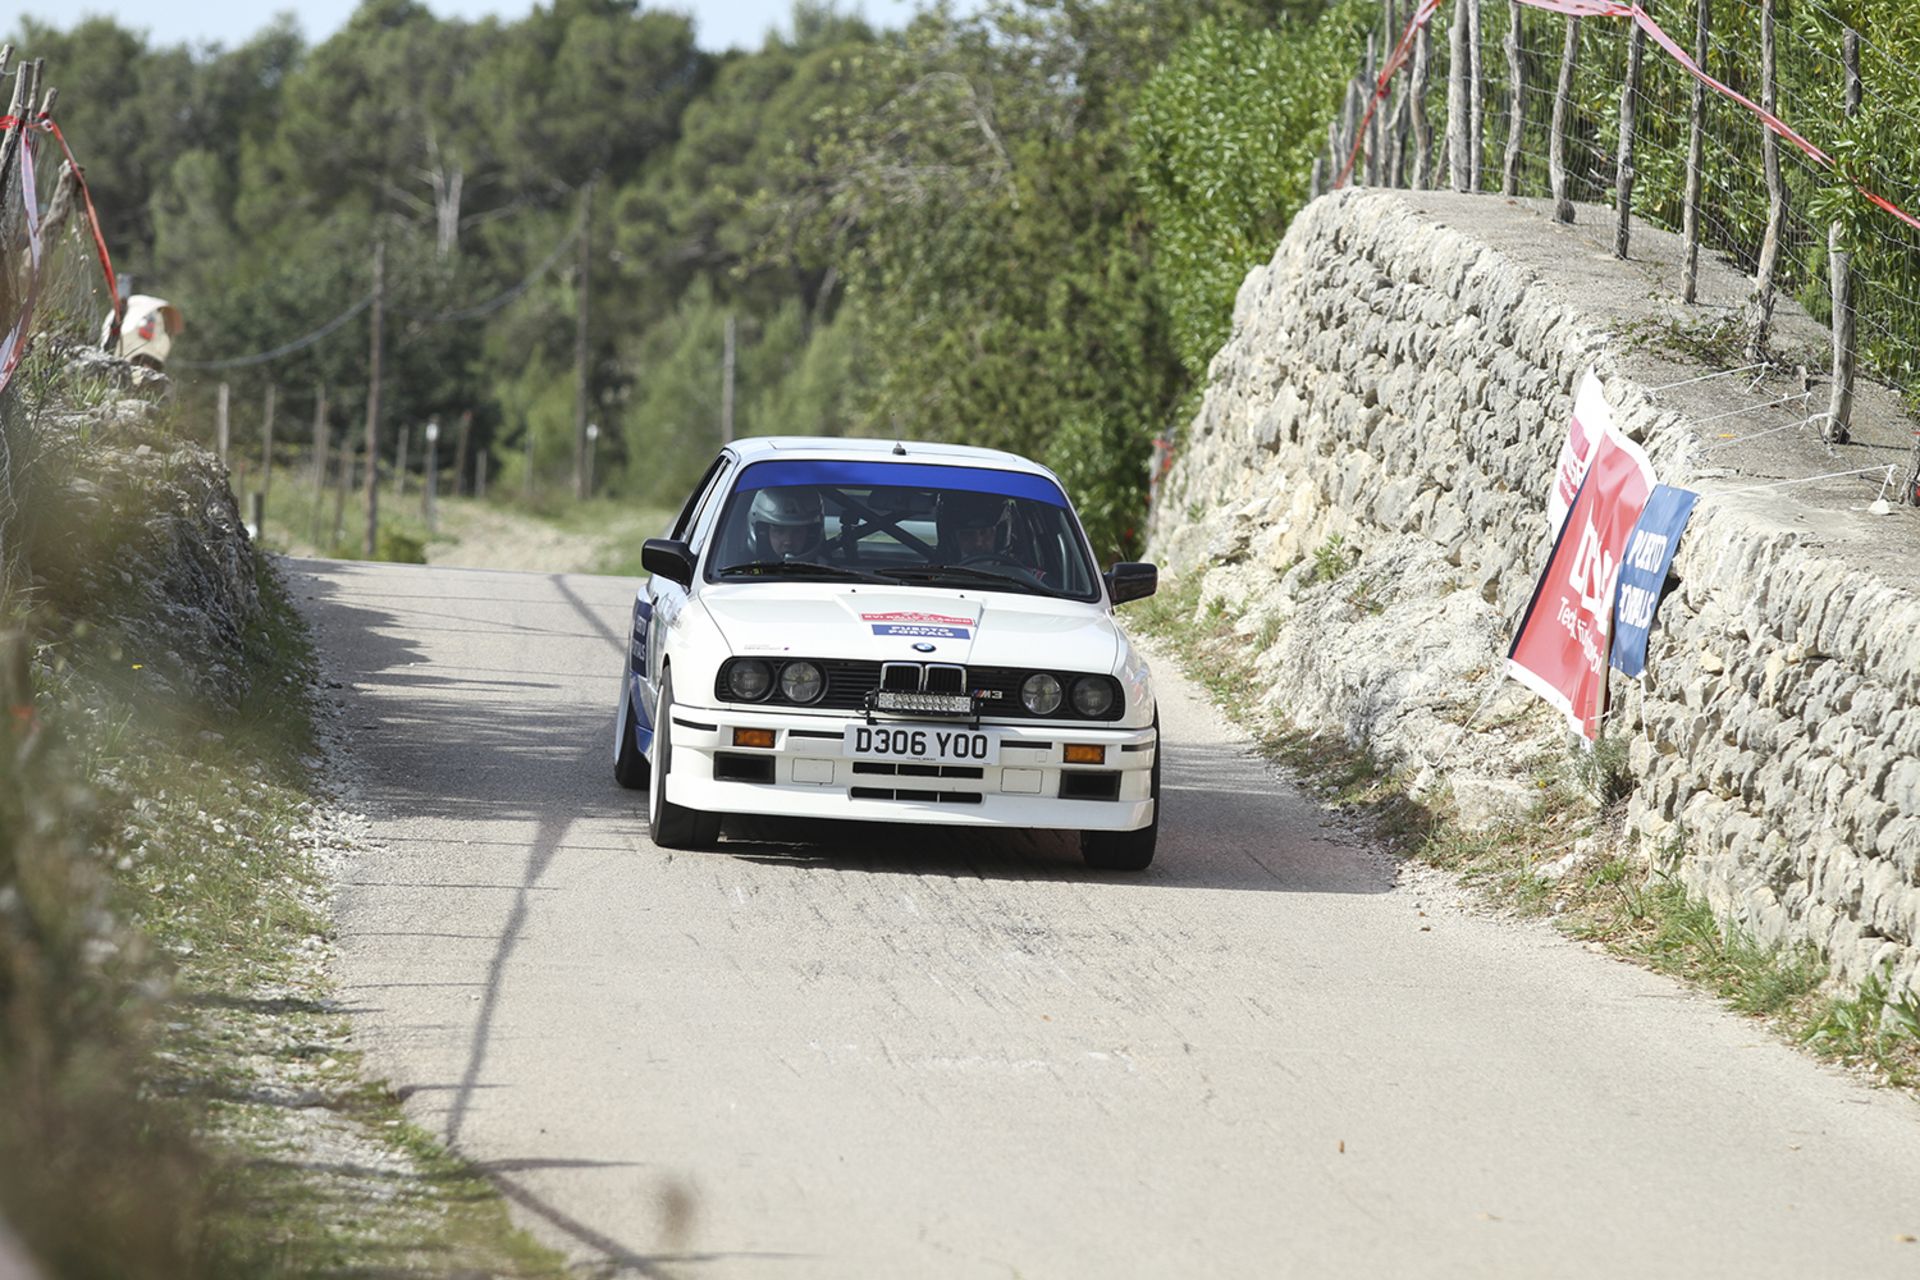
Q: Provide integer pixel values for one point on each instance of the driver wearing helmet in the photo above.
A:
(975, 524)
(786, 524)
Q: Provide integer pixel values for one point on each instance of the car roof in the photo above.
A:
(799, 448)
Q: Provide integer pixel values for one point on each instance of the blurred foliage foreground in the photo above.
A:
(177, 1097)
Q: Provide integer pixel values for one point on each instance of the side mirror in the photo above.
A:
(666, 558)
(1128, 580)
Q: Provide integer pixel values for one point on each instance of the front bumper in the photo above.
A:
(811, 778)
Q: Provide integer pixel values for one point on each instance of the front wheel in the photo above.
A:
(1128, 850)
(673, 826)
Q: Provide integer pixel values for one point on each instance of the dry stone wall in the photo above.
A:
(1365, 487)
(145, 534)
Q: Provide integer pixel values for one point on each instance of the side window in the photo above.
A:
(722, 478)
(684, 523)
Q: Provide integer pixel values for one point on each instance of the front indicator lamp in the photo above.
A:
(753, 738)
(1092, 697)
(1081, 753)
(1040, 695)
(750, 680)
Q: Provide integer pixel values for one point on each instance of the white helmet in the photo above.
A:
(796, 508)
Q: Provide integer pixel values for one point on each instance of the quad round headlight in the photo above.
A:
(802, 682)
(750, 680)
(1092, 697)
(1040, 695)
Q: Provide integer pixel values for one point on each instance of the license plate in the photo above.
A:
(923, 744)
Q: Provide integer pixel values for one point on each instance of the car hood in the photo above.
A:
(883, 624)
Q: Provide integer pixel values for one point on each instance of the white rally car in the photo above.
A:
(887, 632)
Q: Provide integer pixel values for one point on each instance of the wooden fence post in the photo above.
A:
(25, 77)
(728, 358)
(1319, 176)
(376, 345)
(220, 435)
(320, 437)
(10, 139)
(321, 434)
(460, 454)
(1389, 108)
(582, 372)
(1369, 83)
(1760, 300)
(1562, 120)
(1400, 171)
(266, 444)
(1350, 130)
(1516, 102)
(400, 462)
(1459, 128)
(1476, 98)
(1696, 144)
(343, 481)
(1422, 176)
(1624, 172)
(1838, 428)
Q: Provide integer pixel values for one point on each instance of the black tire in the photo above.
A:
(629, 765)
(1128, 850)
(673, 826)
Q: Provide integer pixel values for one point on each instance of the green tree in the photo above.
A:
(1223, 142)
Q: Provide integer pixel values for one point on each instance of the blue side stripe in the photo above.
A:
(865, 474)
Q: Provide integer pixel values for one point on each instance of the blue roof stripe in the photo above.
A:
(865, 474)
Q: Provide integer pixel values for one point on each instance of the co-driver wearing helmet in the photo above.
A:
(786, 524)
(975, 524)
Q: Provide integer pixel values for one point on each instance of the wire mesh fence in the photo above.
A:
(1554, 90)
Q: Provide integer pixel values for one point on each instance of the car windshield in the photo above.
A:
(903, 522)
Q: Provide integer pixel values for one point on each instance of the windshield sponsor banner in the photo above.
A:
(1560, 651)
(921, 626)
(876, 474)
(1643, 574)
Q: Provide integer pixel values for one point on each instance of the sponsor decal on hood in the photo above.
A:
(931, 626)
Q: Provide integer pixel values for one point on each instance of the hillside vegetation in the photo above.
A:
(952, 230)
(1018, 226)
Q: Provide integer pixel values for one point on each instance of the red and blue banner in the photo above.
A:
(924, 626)
(1561, 649)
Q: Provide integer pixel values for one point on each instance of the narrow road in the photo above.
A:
(908, 1052)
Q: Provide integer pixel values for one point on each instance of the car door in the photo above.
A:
(662, 599)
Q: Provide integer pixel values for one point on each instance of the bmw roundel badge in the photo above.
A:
(923, 647)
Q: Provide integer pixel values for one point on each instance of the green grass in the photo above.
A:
(1615, 897)
(298, 519)
(1874, 1026)
(1334, 558)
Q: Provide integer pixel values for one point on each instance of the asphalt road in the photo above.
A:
(907, 1052)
